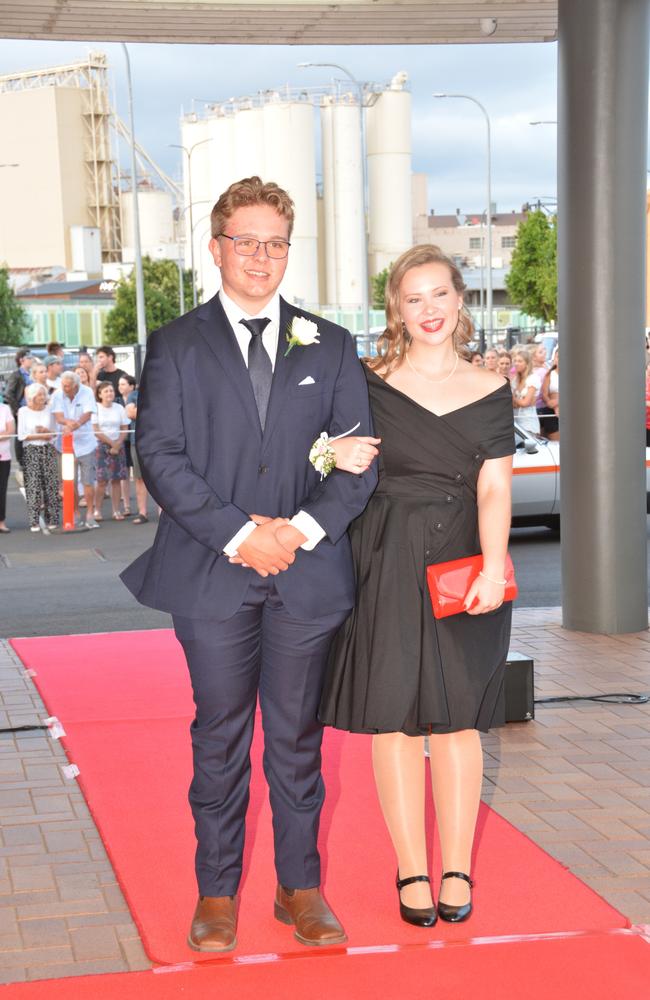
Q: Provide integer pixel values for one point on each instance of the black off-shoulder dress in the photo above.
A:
(393, 667)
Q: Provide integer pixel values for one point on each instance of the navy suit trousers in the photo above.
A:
(261, 648)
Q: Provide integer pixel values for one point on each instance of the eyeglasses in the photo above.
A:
(245, 246)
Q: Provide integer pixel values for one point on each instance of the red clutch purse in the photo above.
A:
(449, 582)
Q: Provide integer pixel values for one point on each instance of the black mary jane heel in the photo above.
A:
(454, 914)
(420, 917)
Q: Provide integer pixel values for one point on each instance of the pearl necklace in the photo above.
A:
(434, 381)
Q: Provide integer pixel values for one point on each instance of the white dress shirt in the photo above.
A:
(303, 521)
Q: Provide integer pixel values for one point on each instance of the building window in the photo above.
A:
(475, 242)
(508, 242)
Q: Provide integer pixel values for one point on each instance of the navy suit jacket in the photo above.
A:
(208, 465)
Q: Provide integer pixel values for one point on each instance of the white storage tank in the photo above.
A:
(290, 161)
(270, 136)
(156, 213)
(249, 141)
(197, 138)
(86, 246)
(343, 200)
(389, 175)
(220, 174)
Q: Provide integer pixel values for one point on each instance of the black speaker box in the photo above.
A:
(517, 699)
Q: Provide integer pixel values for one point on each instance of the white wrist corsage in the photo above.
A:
(301, 332)
(321, 454)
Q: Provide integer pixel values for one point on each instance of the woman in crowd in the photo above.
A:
(140, 488)
(125, 386)
(84, 377)
(39, 374)
(7, 430)
(491, 359)
(525, 387)
(538, 357)
(504, 364)
(397, 672)
(86, 362)
(476, 359)
(550, 412)
(40, 462)
(110, 424)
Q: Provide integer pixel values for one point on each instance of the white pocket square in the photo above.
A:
(307, 381)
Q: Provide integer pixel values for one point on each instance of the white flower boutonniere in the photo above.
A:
(301, 333)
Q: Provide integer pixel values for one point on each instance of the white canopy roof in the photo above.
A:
(292, 22)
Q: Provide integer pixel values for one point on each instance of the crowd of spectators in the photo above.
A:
(95, 403)
(534, 380)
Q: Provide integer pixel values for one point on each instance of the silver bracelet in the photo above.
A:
(500, 583)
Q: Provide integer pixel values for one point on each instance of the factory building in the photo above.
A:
(57, 176)
(65, 206)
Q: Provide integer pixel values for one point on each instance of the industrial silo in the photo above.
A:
(271, 136)
(197, 190)
(290, 162)
(221, 173)
(343, 200)
(156, 220)
(389, 174)
(249, 141)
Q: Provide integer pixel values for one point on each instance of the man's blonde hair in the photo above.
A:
(250, 191)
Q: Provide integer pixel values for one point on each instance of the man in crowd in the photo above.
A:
(14, 396)
(73, 406)
(54, 347)
(54, 365)
(251, 556)
(105, 368)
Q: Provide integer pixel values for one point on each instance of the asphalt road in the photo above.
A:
(68, 583)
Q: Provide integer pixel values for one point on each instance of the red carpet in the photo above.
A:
(125, 702)
(600, 967)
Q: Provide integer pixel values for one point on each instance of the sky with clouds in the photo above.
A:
(516, 83)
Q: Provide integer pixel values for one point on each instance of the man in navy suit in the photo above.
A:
(251, 556)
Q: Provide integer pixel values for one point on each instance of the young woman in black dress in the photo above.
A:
(447, 439)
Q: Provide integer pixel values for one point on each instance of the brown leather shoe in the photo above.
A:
(314, 921)
(214, 925)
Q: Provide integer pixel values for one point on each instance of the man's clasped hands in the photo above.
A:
(270, 548)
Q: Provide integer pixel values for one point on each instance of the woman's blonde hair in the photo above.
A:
(523, 352)
(394, 341)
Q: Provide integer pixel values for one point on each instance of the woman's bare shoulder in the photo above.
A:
(481, 380)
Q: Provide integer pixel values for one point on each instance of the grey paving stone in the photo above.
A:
(91, 943)
(57, 918)
(44, 933)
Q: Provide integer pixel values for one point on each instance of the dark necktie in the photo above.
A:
(260, 368)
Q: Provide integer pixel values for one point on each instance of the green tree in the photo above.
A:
(532, 280)
(378, 285)
(161, 300)
(14, 321)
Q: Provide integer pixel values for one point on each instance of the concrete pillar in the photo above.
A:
(602, 116)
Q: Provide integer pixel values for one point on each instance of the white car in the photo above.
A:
(536, 480)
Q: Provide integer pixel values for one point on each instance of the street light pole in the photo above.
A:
(365, 303)
(467, 97)
(188, 153)
(141, 316)
(181, 283)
